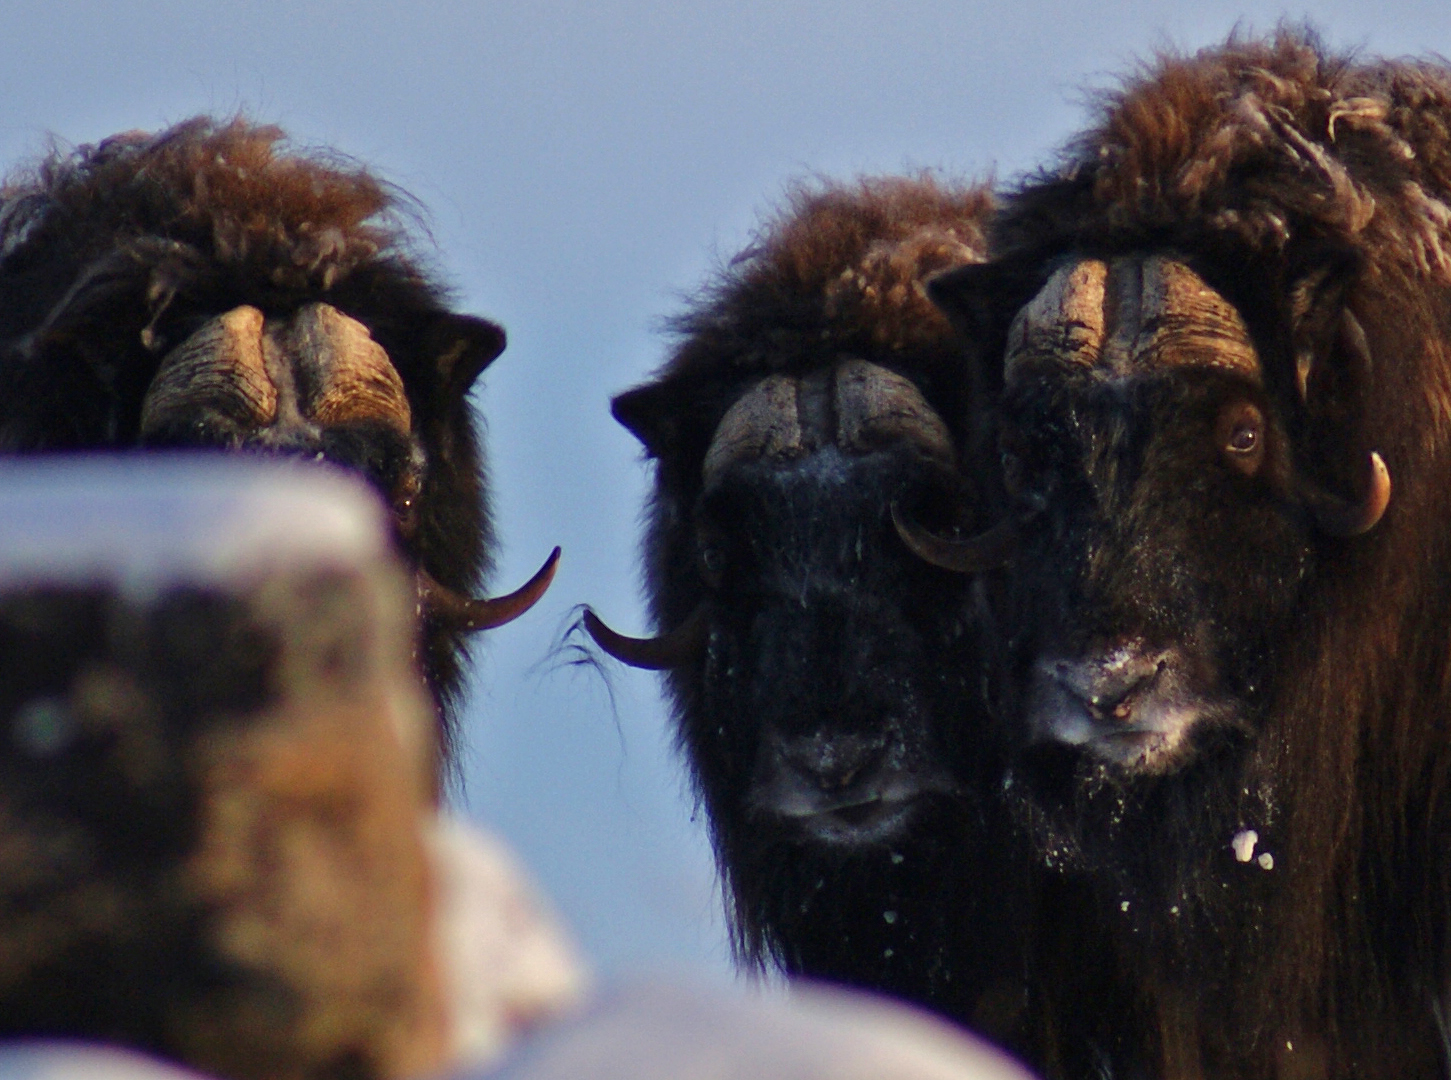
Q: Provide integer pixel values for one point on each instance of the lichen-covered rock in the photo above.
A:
(215, 773)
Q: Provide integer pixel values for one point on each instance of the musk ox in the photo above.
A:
(823, 677)
(1217, 334)
(206, 287)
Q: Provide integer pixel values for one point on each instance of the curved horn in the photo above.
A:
(440, 604)
(876, 407)
(673, 649)
(986, 551)
(348, 376)
(1341, 517)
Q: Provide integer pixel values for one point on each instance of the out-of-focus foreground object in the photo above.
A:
(79, 1061)
(668, 1033)
(216, 802)
(508, 963)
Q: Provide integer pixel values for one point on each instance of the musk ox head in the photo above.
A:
(203, 288)
(810, 632)
(1163, 523)
(1213, 339)
(823, 675)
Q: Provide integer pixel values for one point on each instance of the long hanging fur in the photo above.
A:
(1294, 175)
(840, 272)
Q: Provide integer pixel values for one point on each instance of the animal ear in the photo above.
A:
(1316, 290)
(981, 296)
(964, 295)
(651, 415)
(980, 300)
(461, 347)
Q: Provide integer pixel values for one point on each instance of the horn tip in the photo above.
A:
(1380, 491)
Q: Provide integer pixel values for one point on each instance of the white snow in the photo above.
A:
(1244, 844)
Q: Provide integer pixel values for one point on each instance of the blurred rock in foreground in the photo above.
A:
(817, 1033)
(80, 1061)
(509, 964)
(218, 833)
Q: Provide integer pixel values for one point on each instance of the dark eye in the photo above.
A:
(1241, 435)
(711, 559)
(1243, 439)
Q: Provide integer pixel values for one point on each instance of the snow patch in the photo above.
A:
(1244, 844)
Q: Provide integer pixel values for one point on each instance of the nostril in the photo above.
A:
(1112, 690)
(1119, 706)
(833, 764)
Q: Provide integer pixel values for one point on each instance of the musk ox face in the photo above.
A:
(311, 383)
(1163, 536)
(813, 670)
(827, 688)
(820, 640)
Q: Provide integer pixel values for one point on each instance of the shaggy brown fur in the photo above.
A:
(113, 254)
(828, 641)
(1299, 183)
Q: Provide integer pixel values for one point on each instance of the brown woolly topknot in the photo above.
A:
(1261, 140)
(234, 189)
(841, 268)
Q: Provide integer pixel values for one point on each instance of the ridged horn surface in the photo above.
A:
(859, 405)
(445, 607)
(876, 407)
(343, 375)
(1135, 313)
(763, 422)
(221, 367)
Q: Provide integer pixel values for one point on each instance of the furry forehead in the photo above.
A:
(841, 266)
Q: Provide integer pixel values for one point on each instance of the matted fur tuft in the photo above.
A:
(1260, 141)
(840, 267)
(234, 190)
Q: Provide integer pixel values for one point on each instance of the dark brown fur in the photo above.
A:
(1301, 183)
(824, 631)
(114, 253)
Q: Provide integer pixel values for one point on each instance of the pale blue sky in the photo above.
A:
(584, 165)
